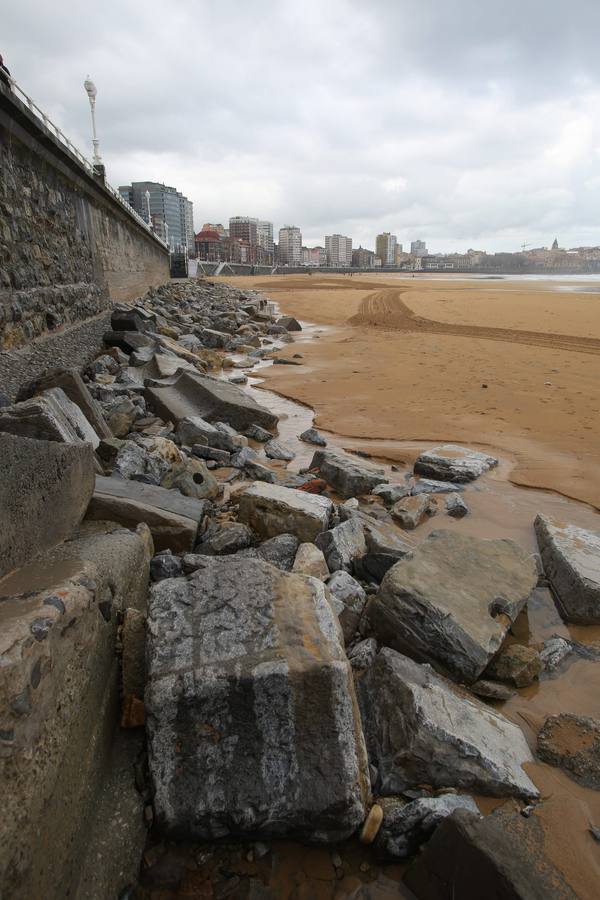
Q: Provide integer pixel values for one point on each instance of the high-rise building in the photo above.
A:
(418, 248)
(264, 232)
(338, 249)
(385, 248)
(245, 228)
(171, 214)
(290, 246)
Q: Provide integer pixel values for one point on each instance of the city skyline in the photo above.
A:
(434, 124)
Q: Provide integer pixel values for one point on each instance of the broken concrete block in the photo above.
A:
(571, 558)
(71, 382)
(252, 721)
(420, 730)
(51, 416)
(209, 398)
(173, 519)
(345, 475)
(271, 510)
(451, 603)
(450, 462)
(45, 488)
(343, 544)
(310, 561)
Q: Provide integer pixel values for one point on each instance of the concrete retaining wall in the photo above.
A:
(67, 246)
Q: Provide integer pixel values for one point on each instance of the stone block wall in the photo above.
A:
(67, 246)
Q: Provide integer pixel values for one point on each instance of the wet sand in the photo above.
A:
(505, 365)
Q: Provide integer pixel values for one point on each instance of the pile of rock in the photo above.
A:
(304, 668)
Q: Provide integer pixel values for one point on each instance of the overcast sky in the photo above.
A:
(465, 123)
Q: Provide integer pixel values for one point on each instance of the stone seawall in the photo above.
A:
(67, 246)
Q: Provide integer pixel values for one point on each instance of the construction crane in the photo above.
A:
(524, 246)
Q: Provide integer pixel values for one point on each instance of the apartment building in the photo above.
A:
(363, 259)
(385, 248)
(166, 209)
(290, 246)
(338, 248)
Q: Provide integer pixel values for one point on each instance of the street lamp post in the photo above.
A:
(147, 196)
(91, 92)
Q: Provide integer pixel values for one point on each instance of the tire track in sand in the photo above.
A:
(387, 309)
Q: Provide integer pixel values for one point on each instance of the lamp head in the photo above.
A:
(90, 88)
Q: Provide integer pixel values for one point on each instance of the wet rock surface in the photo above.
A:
(245, 713)
(573, 743)
(420, 730)
(452, 600)
(451, 462)
(571, 558)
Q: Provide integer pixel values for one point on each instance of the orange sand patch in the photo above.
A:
(393, 373)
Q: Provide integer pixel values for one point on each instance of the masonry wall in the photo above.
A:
(68, 249)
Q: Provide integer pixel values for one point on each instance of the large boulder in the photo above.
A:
(270, 509)
(420, 729)
(174, 520)
(572, 743)
(346, 476)
(406, 826)
(51, 416)
(252, 720)
(571, 558)
(386, 544)
(45, 488)
(450, 462)
(209, 398)
(505, 852)
(342, 545)
(71, 382)
(451, 603)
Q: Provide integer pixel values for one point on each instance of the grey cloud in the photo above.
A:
(464, 123)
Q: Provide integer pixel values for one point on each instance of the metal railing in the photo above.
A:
(87, 165)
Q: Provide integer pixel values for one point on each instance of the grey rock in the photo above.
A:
(492, 690)
(554, 652)
(192, 478)
(310, 561)
(280, 551)
(346, 476)
(256, 433)
(226, 539)
(571, 558)
(406, 826)
(195, 430)
(289, 323)
(220, 456)
(246, 712)
(361, 656)
(243, 456)
(276, 450)
(133, 461)
(353, 598)
(451, 603)
(431, 486)
(517, 664)
(51, 416)
(258, 472)
(45, 488)
(71, 382)
(342, 545)
(450, 462)
(270, 510)
(506, 850)
(386, 544)
(165, 565)
(172, 518)
(456, 506)
(312, 436)
(214, 400)
(391, 493)
(419, 729)
(411, 511)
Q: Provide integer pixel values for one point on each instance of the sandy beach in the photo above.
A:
(508, 365)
